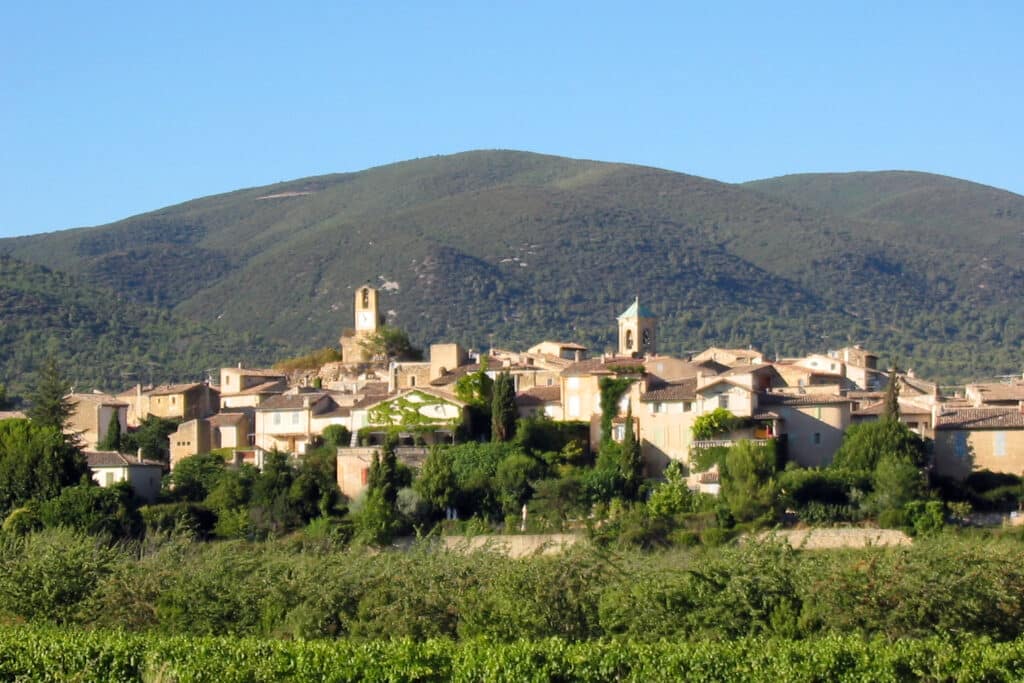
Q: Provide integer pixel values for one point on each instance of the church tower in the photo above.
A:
(637, 331)
(367, 320)
(367, 314)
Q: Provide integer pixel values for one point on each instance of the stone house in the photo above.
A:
(968, 439)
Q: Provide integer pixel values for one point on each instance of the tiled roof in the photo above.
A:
(744, 369)
(454, 375)
(102, 399)
(169, 389)
(539, 396)
(1000, 392)
(810, 399)
(723, 380)
(271, 387)
(981, 418)
(765, 415)
(260, 372)
(685, 390)
(291, 401)
(906, 408)
(603, 366)
(115, 459)
(221, 419)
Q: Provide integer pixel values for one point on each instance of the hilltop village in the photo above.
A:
(801, 405)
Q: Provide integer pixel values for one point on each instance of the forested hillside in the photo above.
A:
(507, 248)
(101, 340)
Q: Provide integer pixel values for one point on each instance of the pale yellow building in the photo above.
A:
(91, 415)
(970, 439)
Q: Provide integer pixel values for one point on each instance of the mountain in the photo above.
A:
(506, 248)
(100, 339)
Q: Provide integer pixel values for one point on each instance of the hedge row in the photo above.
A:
(61, 655)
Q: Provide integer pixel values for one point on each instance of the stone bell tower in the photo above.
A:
(367, 322)
(637, 331)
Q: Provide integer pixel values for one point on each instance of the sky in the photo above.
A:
(110, 109)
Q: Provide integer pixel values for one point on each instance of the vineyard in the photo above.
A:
(55, 655)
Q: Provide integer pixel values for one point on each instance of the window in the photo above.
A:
(295, 418)
(412, 380)
(619, 432)
(109, 476)
(723, 401)
(960, 444)
(366, 297)
(657, 407)
(687, 406)
(277, 418)
(999, 444)
(629, 339)
(816, 438)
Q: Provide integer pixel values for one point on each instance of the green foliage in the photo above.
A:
(891, 401)
(703, 459)
(503, 408)
(152, 436)
(112, 439)
(99, 511)
(865, 444)
(612, 390)
(895, 483)
(36, 462)
(193, 478)
(437, 482)
(540, 434)
(49, 405)
(513, 480)
(391, 344)
(716, 423)
(378, 520)
(47, 576)
(337, 436)
(632, 463)
(748, 483)
(672, 496)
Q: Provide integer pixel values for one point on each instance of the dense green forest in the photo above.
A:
(507, 248)
(102, 339)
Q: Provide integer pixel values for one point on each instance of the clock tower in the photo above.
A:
(367, 319)
(367, 315)
(637, 331)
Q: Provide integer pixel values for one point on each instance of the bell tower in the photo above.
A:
(637, 331)
(366, 312)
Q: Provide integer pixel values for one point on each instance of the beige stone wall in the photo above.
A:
(445, 358)
(410, 376)
(958, 453)
(192, 438)
(813, 433)
(665, 436)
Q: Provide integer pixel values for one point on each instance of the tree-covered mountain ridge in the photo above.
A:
(506, 248)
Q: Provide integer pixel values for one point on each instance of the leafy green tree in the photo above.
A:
(112, 439)
(194, 477)
(896, 481)
(378, 520)
(865, 444)
(719, 421)
(748, 480)
(36, 462)
(153, 437)
(673, 496)
(108, 511)
(512, 480)
(503, 408)
(476, 390)
(391, 343)
(48, 399)
(337, 436)
(437, 482)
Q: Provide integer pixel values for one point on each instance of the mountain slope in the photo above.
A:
(101, 340)
(505, 248)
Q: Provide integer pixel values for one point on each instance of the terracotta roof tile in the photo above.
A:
(685, 390)
(539, 396)
(981, 418)
(810, 399)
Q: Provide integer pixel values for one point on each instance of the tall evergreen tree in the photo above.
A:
(891, 407)
(112, 439)
(632, 457)
(379, 519)
(503, 409)
(50, 405)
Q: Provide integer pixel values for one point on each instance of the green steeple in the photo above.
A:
(635, 310)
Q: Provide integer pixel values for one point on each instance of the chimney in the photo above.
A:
(239, 365)
(138, 455)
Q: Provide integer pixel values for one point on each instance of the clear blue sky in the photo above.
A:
(108, 109)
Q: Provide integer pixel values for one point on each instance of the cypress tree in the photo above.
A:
(50, 405)
(112, 440)
(632, 458)
(503, 409)
(891, 407)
